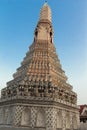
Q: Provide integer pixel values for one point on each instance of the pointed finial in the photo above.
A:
(45, 1)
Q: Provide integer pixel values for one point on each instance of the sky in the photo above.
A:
(18, 19)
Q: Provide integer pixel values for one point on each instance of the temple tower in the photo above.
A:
(39, 96)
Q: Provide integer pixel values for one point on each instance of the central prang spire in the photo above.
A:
(41, 73)
(39, 97)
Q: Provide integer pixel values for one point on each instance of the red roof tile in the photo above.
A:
(81, 108)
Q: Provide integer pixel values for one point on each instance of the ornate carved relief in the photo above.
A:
(59, 119)
(64, 119)
(68, 120)
(1, 115)
(7, 116)
(41, 119)
(26, 117)
(74, 122)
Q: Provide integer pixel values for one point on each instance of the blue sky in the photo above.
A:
(18, 19)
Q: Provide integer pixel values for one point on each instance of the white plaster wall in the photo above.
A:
(83, 126)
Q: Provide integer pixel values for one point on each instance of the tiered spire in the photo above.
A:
(45, 13)
(41, 73)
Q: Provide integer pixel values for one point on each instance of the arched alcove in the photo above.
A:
(51, 37)
(26, 117)
(59, 120)
(36, 33)
(41, 118)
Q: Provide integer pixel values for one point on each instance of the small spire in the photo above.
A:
(45, 12)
